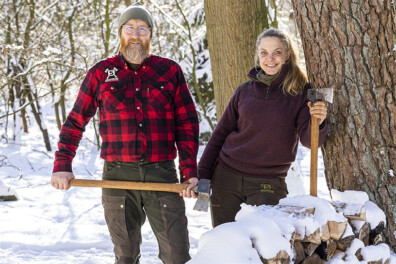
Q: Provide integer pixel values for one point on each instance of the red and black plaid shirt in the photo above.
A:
(144, 114)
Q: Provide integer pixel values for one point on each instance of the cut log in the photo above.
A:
(358, 254)
(6, 198)
(297, 210)
(375, 235)
(325, 235)
(309, 248)
(337, 229)
(281, 258)
(379, 238)
(345, 209)
(299, 250)
(6, 193)
(313, 259)
(327, 249)
(312, 238)
(296, 237)
(364, 233)
(345, 242)
(361, 216)
(375, 262)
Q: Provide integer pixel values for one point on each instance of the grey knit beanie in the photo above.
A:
(135, 11)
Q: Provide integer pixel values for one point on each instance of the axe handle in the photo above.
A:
(314, 155)
(129, 185)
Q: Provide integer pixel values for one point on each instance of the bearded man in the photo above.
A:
(147, 115)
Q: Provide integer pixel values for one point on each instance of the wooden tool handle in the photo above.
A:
(314, 155)
(129, 185)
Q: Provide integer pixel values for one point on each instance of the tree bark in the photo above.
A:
(232, 29)
(350, 46)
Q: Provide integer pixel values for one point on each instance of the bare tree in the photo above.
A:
(22, 23)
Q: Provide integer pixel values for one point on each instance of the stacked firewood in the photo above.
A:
(333, 239)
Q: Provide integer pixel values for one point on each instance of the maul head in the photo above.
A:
(320, 94)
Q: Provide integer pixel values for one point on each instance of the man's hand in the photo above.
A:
(187, 192)
(318, 110)
(60, 180)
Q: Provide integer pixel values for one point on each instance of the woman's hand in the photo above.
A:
(318, 110)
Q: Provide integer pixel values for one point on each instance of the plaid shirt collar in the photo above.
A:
(123, 61)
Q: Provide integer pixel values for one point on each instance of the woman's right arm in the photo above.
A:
(228, 123)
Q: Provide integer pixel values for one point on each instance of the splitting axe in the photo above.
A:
(315, 95)
(202, 188)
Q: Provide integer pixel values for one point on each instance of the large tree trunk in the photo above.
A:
(350, 45)
(232, 29)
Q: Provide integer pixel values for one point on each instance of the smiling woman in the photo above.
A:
(256, 139)
(275, 49)
(272, 55)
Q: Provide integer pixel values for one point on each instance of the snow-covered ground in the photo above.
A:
(50, 226)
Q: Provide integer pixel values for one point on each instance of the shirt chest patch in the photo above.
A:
(111, 75)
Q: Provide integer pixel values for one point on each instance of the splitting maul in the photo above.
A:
(202, 188)
(316, 95)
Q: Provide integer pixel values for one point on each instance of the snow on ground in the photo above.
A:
(50, 226)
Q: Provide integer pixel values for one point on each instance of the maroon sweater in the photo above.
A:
(259, 130)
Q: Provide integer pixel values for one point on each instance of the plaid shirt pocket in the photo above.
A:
(113, 96)
(161, 94)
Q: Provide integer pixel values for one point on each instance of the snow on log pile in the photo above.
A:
(301, 229)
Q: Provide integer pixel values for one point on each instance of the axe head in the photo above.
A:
(203, 190)
(320, 94)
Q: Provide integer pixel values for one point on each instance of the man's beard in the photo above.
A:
(133, 53)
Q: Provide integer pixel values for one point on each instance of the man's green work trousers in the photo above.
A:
(125, 212)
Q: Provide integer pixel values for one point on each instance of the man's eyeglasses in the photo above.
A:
(142, 31)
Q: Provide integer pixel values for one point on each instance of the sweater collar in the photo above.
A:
(267, 79)
(278, 80)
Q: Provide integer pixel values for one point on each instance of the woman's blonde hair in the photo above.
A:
(296, 78)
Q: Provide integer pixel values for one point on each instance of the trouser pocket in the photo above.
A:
(173, 241)
(173, 214)
(114, 209)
